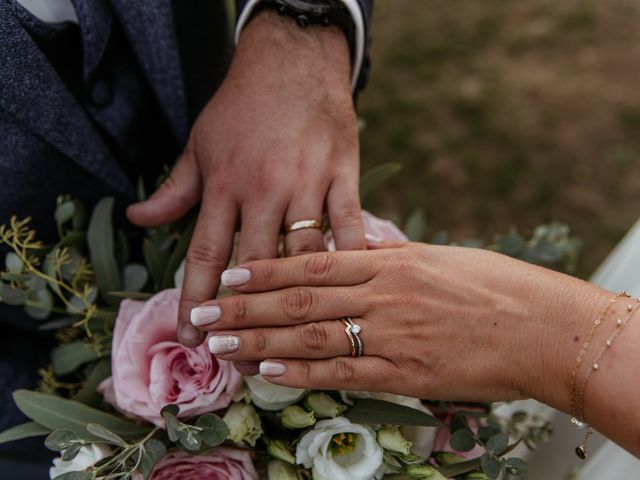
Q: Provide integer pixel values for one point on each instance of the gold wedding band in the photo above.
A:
(352, 330)
(302, 225)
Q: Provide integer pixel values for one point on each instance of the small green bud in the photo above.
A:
(278, 470)
(244, 423)
(323, 405)
(279, 449)
(391, 439)
(423, 472)
(448, 458)
(297, 417)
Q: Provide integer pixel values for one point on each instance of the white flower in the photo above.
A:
(337, 449)
(88, 455)
(422, 438)
(268, 396)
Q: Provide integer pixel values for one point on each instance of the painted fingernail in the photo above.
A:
(189, 333)
(234, 277)
(207, 315)
(221, 344)
(272, 369)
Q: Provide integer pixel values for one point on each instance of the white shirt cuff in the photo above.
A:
(358, 20)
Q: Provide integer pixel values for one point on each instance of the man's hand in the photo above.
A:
(277, 143)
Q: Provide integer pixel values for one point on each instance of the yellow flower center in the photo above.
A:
(343, 444)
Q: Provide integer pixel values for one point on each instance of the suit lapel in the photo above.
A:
(149, 26)
(33, 92)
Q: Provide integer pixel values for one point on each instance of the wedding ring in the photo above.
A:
(303, 224)
(353, 330)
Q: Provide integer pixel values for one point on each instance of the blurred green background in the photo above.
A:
(507, 113)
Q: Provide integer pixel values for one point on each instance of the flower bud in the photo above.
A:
(243, 423)
(278, 470)
(278, 449)
(448, 458)
(297, 417)
(391, 439)
(323, 405)
(423, 472)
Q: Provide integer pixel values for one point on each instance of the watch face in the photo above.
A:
(314, 7)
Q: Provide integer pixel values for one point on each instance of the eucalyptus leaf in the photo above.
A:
(60, 439)
(415, 226)
(24, 430)
(122, 249)
(156, 260)
(68, 357)
(74, 476)
(15, 277)
(516, 466)
(79, 219)
(369, 411)
(39, 305)
(59, 413)
(57, 323)
(99, 371)
(178, 254)
(462, 440)
(13, 263)
(48, 268)
(64, 212)
(11, 295)
(101, 248)
(135, 277)
(104, 433)
(498, 443)
(73, 239)
(373, 178)
(72, 451)
(485, 433)
(189, 439)
(490, 466)
(214, 431)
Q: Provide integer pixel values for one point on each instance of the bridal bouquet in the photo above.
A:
(123, 399)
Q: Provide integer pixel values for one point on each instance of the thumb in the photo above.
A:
(177, 194)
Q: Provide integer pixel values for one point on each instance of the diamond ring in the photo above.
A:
(352, 330)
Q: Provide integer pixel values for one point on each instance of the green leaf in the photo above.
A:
(68, 357)
(40, 305)
(462, 440)
(49, 269)
(369, 411)
(485, 433)
(74, 476)
(169, 413)
(178, 254)
(375, 177)
(25, 430)
(72, 451)
(135, 277)
(77, 240)
(152, 452)
(460, 468)
(490, 466)
(122, 249)
(516, 466)
(100, 370)
(214, 431)
(498, 443)
(100, 241)
(57, 323)
(104, 433)
(13, 263)
(12, 296)
(60, 439)
(415, 226)
(156, 260)
(190, 439)
(59, 413)
(64, 212)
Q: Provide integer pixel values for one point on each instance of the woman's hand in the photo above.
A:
(437, 322)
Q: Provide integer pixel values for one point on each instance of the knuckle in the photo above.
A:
(318, 266)
(240, 310)
(313, 337)
(343, 370)
(201, 255)
(298, 302)
(251, 256)
(350, 216)
(261, 344)
(303, 249)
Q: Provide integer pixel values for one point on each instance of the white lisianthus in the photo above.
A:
(337, 449)
(89, 455)
(422, 438)
(268, 396)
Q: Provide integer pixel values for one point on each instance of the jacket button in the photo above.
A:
(101, 94)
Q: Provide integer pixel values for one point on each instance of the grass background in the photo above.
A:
(507, 113)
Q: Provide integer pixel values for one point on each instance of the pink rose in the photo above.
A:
(443, 435)
(150, 369)
(375, 229)
(220, 464)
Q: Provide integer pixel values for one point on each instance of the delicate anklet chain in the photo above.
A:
(581, 450)
(575, 414)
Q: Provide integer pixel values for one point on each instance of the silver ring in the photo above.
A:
(354, 330)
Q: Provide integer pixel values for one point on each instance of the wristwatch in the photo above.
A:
(313, 12)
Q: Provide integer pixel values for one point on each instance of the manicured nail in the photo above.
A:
(372, 238)
(189, 333)
(272, 369)
(207, 315)
(234, 277)
(221, 344)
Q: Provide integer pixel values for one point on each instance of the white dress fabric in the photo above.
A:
(556, 459)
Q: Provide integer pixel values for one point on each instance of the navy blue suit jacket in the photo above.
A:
(49, 145)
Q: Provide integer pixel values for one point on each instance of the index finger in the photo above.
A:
(208, 255)
(315, 269)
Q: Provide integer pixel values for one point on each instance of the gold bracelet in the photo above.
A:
(575, 414)
(581, 450)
